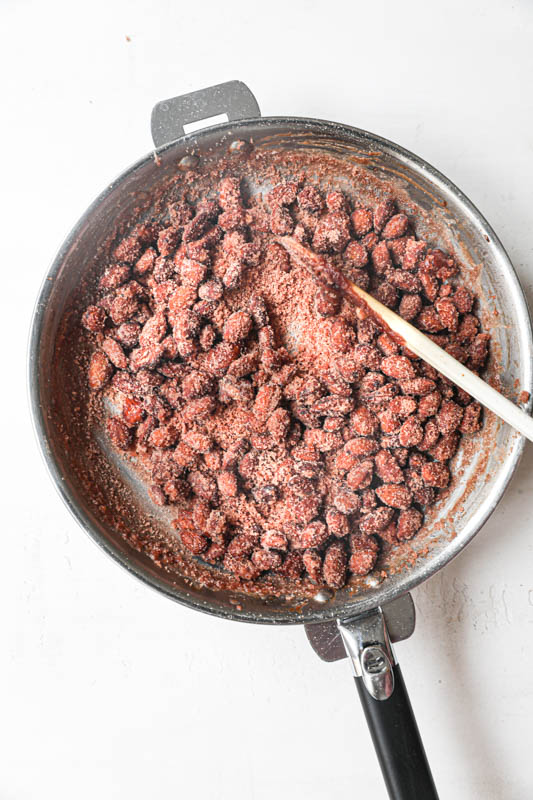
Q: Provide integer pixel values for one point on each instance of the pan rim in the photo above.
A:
(383, 594)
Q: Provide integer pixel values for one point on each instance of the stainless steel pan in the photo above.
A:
(364, 620)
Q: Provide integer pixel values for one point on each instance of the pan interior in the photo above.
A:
(78, 454)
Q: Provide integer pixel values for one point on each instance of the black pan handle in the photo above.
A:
(387, 707)
(397, 741)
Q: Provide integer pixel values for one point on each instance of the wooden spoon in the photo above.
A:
(421, 345)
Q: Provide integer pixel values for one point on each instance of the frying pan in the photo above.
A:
(362, 620)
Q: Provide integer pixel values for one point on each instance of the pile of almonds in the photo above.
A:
(273, 469)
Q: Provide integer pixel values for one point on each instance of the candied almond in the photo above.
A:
(334, 568)
(115, 353)
(100, 370)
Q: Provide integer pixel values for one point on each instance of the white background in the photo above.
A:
(108, 690)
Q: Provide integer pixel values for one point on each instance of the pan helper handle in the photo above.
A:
(231, 101)
(387, 708)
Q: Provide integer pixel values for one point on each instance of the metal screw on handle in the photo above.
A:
(377, 673)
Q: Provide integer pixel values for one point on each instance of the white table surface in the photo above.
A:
(108, 690)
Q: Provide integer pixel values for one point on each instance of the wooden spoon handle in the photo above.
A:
(420, 344)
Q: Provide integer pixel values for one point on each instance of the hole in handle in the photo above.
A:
(205, 123)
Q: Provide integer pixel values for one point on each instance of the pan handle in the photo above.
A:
(397, 742)
(232, 99)
(387, 708)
